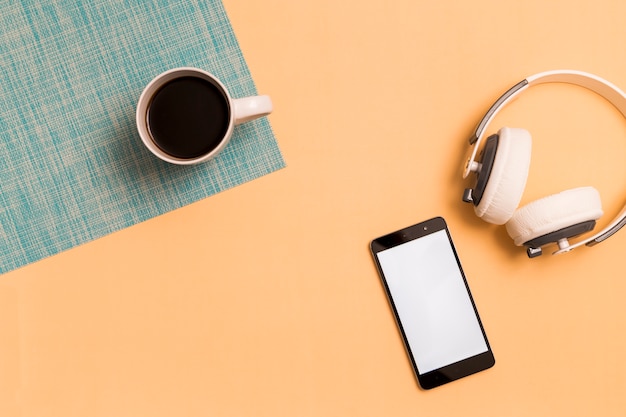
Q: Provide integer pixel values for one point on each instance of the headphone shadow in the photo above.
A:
(498, 233)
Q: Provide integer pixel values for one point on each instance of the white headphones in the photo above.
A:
(502, 170)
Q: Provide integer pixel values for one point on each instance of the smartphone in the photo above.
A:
(432, 303)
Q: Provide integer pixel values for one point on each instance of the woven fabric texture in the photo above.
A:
(72, 166)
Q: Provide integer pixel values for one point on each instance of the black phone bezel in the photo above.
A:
(453, 371)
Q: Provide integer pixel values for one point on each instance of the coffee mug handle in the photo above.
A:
(250, 108)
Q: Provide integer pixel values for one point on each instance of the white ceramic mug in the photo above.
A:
(186, 115)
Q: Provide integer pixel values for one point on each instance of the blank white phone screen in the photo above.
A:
(432, 303)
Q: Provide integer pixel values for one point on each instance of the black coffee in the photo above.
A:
(188, 117)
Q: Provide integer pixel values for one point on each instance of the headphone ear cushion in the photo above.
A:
(553, 213)
(507, 178)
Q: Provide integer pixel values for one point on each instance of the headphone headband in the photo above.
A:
(600, 86)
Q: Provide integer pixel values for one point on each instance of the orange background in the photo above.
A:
(264, 300)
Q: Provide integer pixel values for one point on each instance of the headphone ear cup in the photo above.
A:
(507, 178)
(554, 213)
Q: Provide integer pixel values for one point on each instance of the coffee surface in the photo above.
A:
(188, 117)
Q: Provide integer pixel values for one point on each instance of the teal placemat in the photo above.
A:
(72, 167)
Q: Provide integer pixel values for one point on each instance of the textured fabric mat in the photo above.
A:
(72, 166)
